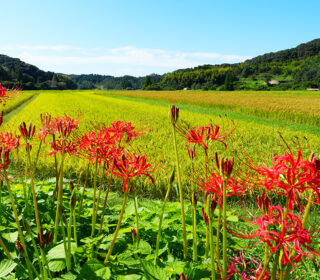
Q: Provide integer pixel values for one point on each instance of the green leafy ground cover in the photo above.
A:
(128, 261)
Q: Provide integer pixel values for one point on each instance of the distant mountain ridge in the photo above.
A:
(295, 68)
(14, 72)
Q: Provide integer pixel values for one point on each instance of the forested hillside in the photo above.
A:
(14, 72)
(296, 68)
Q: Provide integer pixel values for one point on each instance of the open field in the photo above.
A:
(224, 224)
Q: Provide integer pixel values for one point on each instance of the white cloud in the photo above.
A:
(114, 61)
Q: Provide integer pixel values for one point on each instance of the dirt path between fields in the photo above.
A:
(8, 115)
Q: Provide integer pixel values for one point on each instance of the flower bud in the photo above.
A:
(183, 277)
(20, 247)
(213, 203)
(205, 216)
(48, 238)
(195, 198)
(41, 239)
(134, 233)
(192, 152)
(174, 114)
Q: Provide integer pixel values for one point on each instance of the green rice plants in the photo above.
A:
(174, 117)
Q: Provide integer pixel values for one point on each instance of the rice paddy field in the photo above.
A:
(256, 117)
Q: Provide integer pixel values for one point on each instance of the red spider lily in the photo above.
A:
(214, 185)
(285, 233)
(6, 94)
(291, 177)
(64, 125)
(246, 269)
(99, 144)
(119, 129)
(8, 142)
(129, 166)
(58, 146)
(205, 134)
(198, 136)
(46, 129)
(213, 135)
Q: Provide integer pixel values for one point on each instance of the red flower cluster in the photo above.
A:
(8, 142)
(119, 129)
(286, 233)
(214, 185)
(6, 94)
(129, 166)
(204, 134)
(62, 126)
(246, 269)
(291, 177)
(97, 144)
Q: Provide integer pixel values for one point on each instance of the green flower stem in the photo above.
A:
(36, 251)
(31, 267)
(307, 211)
(5, 249)
(118, 225)
(37, 156)
(35, 204)
(183, 220)
(213, 273)
(75, 227)
(161, 219)
(206, 161)
(83, 191)
(99, 194)
(66, 252)
(14, 209)
(135, 203)
(224, 212)
(275, 265)
(69, 237)
(265, 267)
(94, 194)
(57, 175)
(218, 236)
(207, 228)
(105, 203)
(194, 225)
(59, 199)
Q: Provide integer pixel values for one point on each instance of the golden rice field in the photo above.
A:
(254, 135)
(295, 106)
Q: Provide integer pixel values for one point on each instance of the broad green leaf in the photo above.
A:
(6, 267)
(58, 252)
(154, 272)
(57, 265)
(94, 269)
(129, 277)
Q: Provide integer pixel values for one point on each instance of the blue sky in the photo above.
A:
(146, 36)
